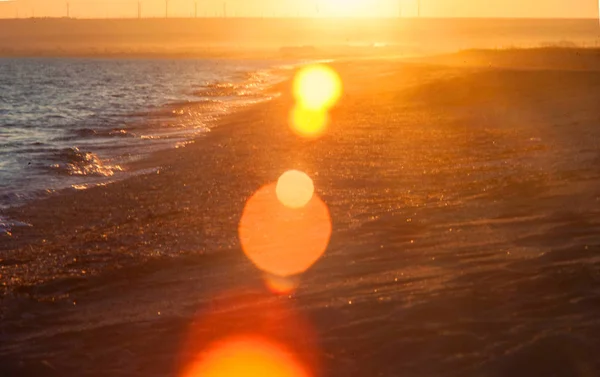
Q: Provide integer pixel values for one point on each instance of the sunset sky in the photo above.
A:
(335, 8)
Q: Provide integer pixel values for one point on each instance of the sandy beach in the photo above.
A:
(464, 192)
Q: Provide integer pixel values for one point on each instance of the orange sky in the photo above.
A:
(337, 8)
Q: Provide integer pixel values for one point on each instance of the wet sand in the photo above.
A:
(465, 205)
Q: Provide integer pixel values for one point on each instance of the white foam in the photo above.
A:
(6, 225)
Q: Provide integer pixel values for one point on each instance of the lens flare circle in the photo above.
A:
(294, 189)
(317, 87)
(308, 123)
(246, 356)
(280, 240)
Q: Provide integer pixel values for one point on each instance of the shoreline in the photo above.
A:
(465, 211)
(24, 238)
(257, 84)
(157, 160)
(23, 235)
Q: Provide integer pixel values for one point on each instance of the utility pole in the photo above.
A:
(196, 9)
(166, 8)
(139, 10)
(225, 10)
(68, 10)
(399, 8)
(418, 8)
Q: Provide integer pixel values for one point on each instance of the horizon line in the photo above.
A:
(291, 18)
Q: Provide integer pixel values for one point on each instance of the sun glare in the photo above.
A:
(317, 87)
(246, 356)
(308, 123)
(345, 8)
(244, 332)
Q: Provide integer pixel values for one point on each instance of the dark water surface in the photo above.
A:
(74, 122)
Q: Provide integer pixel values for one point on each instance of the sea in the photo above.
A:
(76, 123)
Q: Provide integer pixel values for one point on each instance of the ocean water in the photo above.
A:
(72, 123)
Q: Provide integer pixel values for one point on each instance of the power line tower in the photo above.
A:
(225, 10)
(418, 8)
(195, 9)
(139, 10)
(68, 10)
(166, 8)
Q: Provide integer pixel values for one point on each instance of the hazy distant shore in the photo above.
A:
(272, 37)
(464, 196)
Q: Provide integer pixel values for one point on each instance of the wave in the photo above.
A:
(117, 132)
(250, 84)
(75, 162)
(7, 225)
(84, 133)
(225, 89)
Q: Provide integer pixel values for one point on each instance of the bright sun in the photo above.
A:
(345, 7)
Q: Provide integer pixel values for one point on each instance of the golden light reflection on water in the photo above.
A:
(294, 189)
(316, 88)
(280, 240)
(249, 356)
